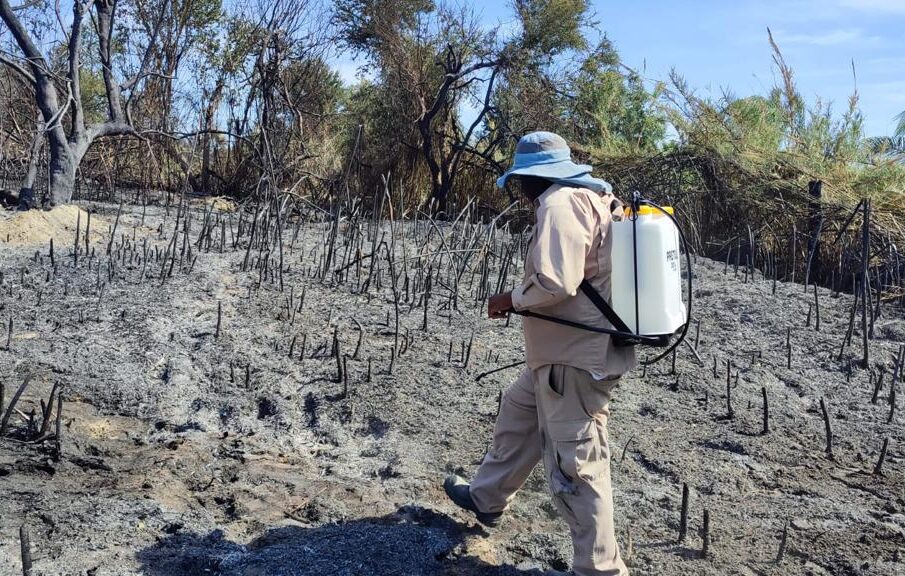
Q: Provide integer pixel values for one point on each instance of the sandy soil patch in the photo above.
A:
(37, 227)
(219, 203)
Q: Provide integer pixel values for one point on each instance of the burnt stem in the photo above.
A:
(730, 413)
(345, 376)
(878, 385)
(828, 427)
(48, 411)
(220, 319)
(780, 554)
(468, 350)
(865, 283)
(25, 547)
(789, 348)
(75, 245)
(878, 469)
(337, 355)
(361, 333)
(58, 436)
(12, 404)
(816, 310)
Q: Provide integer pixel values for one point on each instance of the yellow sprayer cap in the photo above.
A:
(645, 210)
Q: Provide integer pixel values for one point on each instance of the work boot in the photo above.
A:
(458, 491)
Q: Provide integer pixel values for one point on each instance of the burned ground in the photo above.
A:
(196, 446)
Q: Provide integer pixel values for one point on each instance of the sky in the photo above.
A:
(722, 46)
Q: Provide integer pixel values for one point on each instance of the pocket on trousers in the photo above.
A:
(577, 452)
(555, 380)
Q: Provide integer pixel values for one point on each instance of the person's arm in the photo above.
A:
(563, 236)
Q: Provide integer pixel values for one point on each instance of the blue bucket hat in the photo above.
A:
(546, 155)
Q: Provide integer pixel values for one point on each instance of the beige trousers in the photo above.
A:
(558, 413)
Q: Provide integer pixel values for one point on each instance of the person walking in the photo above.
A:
(557, 409)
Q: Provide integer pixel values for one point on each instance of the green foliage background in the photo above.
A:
(250, 95)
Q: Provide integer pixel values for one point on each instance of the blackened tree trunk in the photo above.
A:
(443, 158)
(62, 176)
(27, 191)
(210, 110)
(67, 145)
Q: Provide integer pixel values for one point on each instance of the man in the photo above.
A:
(557, 409)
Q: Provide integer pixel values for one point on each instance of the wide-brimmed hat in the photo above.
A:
(546, 155)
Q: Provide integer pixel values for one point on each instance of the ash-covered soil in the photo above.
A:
(185, 451)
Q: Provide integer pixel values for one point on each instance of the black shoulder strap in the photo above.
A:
(604, 308)
(621, 334)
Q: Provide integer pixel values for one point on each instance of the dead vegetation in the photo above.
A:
(240, 389)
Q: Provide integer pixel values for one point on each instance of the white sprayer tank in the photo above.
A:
(660, 305)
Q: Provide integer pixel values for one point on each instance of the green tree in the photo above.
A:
(550, 27)
(611, 111)
(559, 82)
(891, 145)
(427, 58)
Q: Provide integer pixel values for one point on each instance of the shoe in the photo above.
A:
(459, 492)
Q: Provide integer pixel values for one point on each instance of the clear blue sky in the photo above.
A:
(719, 45)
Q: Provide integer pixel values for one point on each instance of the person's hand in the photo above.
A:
(499, 305)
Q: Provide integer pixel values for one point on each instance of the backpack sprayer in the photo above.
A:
(647, 305)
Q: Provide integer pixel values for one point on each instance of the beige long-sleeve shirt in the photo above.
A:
(571, 241)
